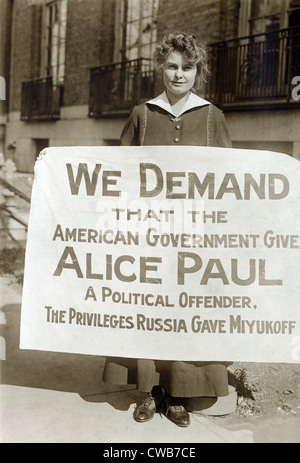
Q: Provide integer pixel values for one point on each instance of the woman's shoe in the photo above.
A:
(179, 415)
(145, 412)
(154, 402)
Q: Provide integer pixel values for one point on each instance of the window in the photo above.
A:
(265, 16)
(138, 32)
(260, 16)
(55, 41)
(115, 88)
(43, 97)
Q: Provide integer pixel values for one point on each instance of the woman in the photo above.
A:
(177, 116)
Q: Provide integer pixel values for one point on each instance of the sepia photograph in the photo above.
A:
(149, 224)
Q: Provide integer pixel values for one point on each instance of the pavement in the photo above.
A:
(52, 397)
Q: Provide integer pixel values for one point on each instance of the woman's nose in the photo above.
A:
(178, 73)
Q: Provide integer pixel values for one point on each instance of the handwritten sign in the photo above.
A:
(179, 253)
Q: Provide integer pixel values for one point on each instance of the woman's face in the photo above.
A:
(178, 74)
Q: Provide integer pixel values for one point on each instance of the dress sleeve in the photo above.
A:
(219, 130)
(129, 135)
(222, 133)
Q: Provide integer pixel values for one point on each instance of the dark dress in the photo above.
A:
(149, 124)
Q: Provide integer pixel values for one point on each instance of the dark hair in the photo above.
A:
(195, 53)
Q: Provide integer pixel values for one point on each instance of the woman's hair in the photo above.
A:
(194, 52)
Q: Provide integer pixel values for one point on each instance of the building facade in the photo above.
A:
(5, 41)
(76, 67)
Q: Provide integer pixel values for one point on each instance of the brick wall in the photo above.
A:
(88, 22)
(229, 19)
(199, 17)
(35, 40)
(209, 20)
(23, 65)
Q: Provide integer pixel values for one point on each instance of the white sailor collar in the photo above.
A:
(193, 101)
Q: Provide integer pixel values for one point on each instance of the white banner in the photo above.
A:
(179, 253)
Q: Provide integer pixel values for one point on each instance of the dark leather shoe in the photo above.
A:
(146, 410)
(179, 415)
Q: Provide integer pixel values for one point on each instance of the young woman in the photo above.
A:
(177, 116)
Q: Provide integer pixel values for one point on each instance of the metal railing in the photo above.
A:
(8, 210)
(116, 88)
(255, 70)
(41, 100)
